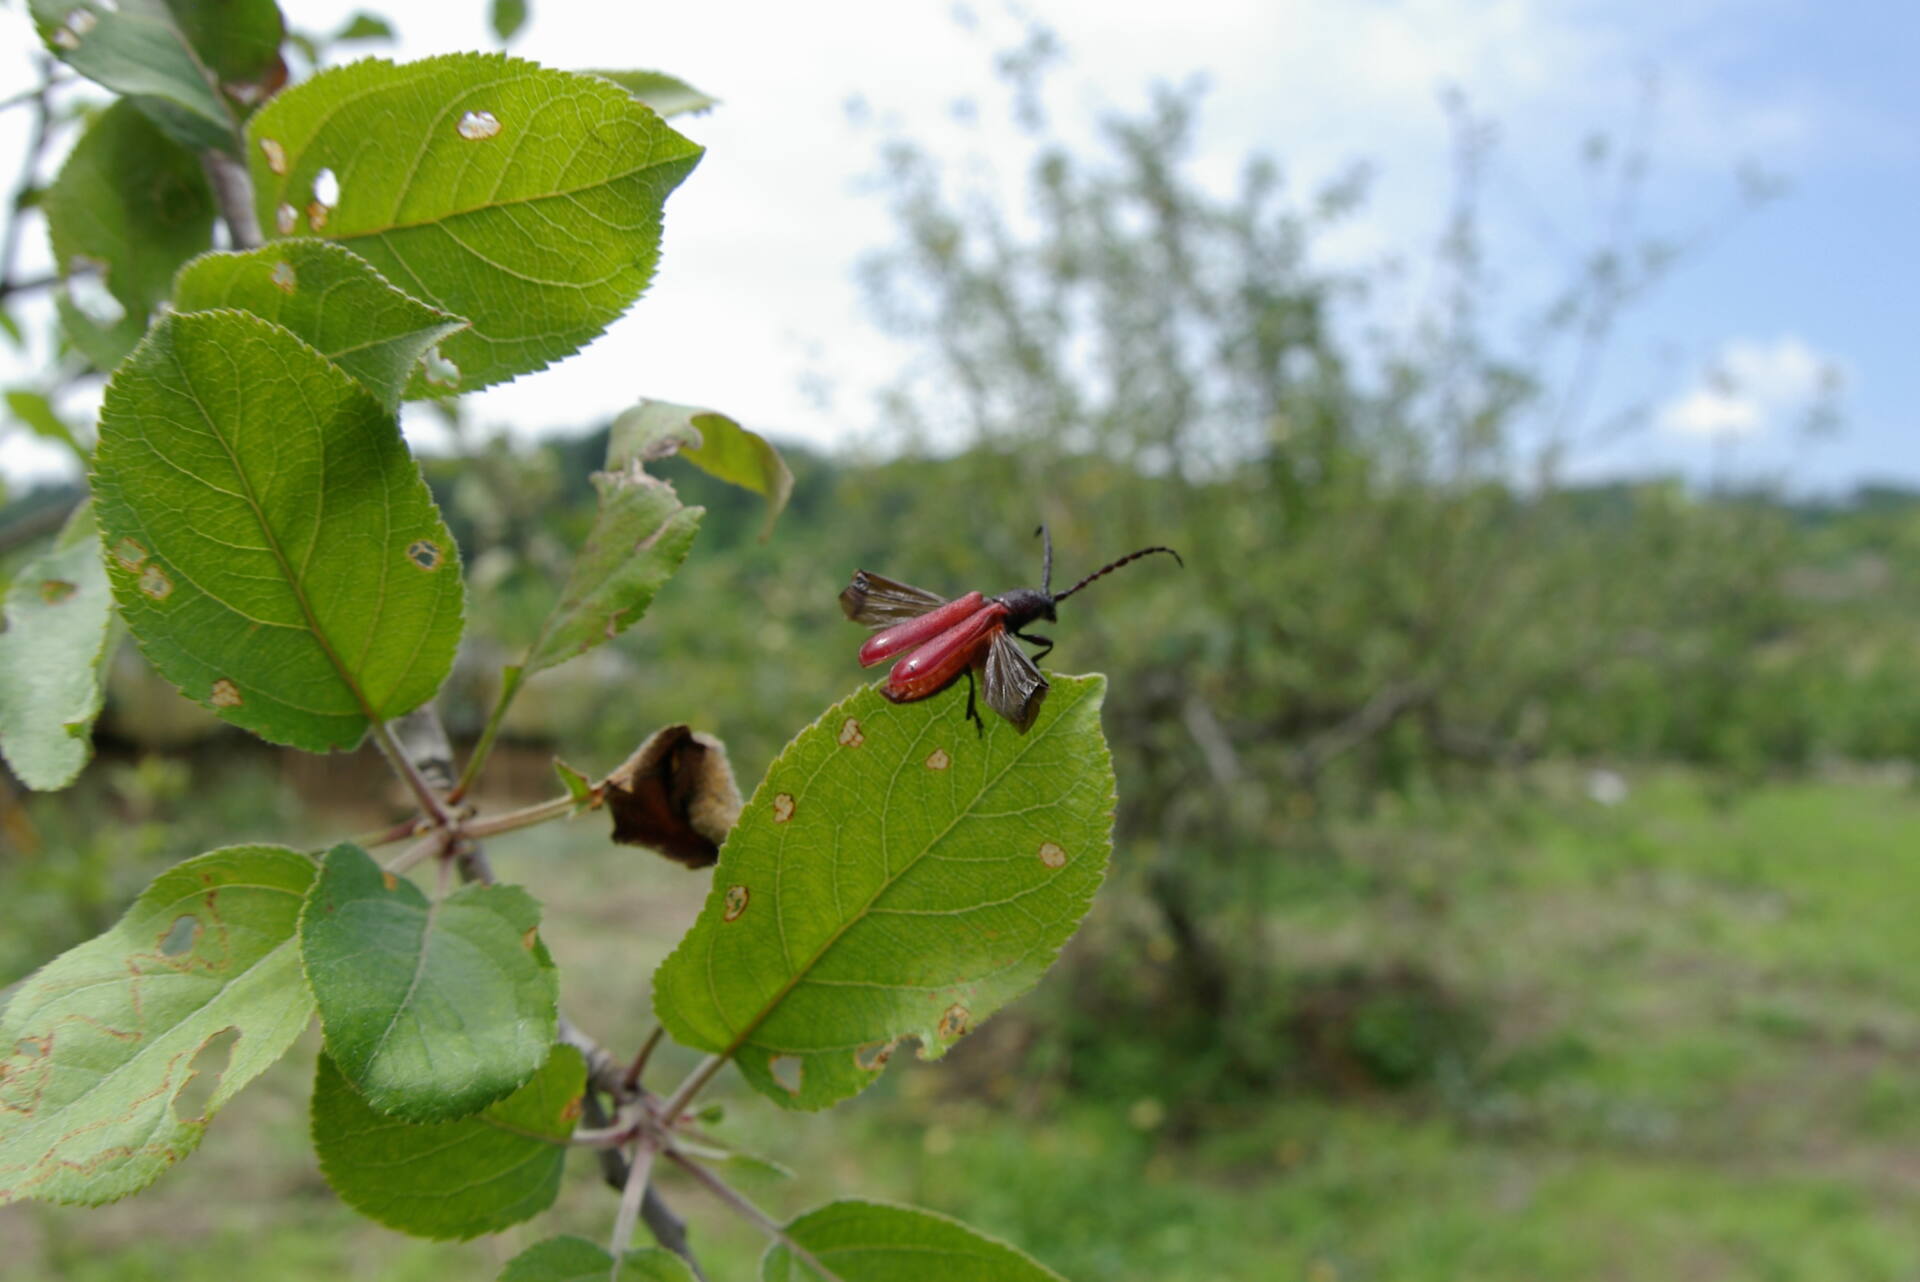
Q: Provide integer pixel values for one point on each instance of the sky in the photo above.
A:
(755, 310)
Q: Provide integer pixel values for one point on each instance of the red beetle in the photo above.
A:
(942, 639)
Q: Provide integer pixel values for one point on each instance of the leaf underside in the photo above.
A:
(59, 621)
(893, 876)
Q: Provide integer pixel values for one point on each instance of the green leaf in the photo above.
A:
(709, 440)
(578, 786)
(524, 199)
(668, 95)
(365, 26)
(507, 17)
(432, 1010)
(574, 1259)
(895, 875)
(59, 616)
(329, 296)
(454, 1179)
(640, 535)
(875, 1242)
(171, 56)
(133, 205)
(36, 413)
(119, 1051)
(269, 538)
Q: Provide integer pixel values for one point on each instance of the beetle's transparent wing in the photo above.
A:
(1014, 686)
(879, 602)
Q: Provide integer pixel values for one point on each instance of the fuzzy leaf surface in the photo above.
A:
(709, 440)
(59, 618)
(525, 199)
(173, 56)
(894, 875)
(330, 297)
(455, 1179)
(269, 538)
(104, 1083)
(875, 1242)
(574, 1259)
(431, 1010)
(668, 95)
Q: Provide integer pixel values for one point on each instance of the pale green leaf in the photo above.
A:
(329, 296)
(432, 1010)
(574, 1259)
(131, 204)
(524, 199)
(455, 1179)
(269, 538)
(894, 875)
(365, 26)
(119, 1051)
(59, 620)
(709, 440)
(875, 1242)
(578, 786)
(36, 413)
(640, 535)
(668, 95)
(171, 56)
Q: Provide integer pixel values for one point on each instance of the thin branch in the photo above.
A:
(639, 1065)
(668, 1229)
(432, 844)
(233, 192)
(702, 1074)
(639, 1171)
(525, 817)
(430, 803)
(29, 170)
(741, 1205)
(604, 1072)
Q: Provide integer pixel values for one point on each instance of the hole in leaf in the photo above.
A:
(873, 1057)
(286, 219)
(283, 278)
(438, 370)
(54, 591)
(955, 1023)
(89, 293)
(326, 188)
(424, 553)
(786, 1070)
(276, 155)
(195, 1096)
(476, 125)
(180, 936)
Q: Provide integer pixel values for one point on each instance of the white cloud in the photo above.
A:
(1751, 387)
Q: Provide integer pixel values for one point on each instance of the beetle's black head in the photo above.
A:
(1024, 605)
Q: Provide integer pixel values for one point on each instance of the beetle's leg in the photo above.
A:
(1046, 644)
(973, 711)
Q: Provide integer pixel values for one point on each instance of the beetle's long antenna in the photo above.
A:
(1046, 557)
(1111, 566)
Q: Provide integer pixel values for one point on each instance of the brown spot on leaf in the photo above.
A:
(425, 554)
(276, 155)
(873, 1057)
(388, 880)
(129, 554)
(783, 808)
(282, 277)
(939, 760)
(955, 1023)
(155, 583)
(786, 1070)
(1052, 854)
(54, 591)
(286, 220)
(736, 902)
(225, 694)
(317, 215)
(850, 736)
(571, 1113)
(532, 937)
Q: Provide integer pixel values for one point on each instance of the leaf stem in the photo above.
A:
(525, 817)
(746, 1209)
(510, 679)
(639, 1065)
(430, 803)
(233, 192)
(638, 1173)
(702, 1074)
(433, 843)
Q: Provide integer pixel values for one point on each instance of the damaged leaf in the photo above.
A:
(709, 440)
(894, 875)
(103, 1083)
(675, 796)
(59, 631)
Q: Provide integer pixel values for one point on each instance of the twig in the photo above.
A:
(740, 1204)
(604, 1072)
(639, 1171)
(431, 844)
(639, 1065)
(702, 1074)
(29, 168)
(233, 192)
(525, 817)
(483, 748)
(430, 803)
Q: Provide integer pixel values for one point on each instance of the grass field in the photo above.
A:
(1697, 1056)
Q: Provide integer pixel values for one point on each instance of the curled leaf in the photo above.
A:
(675, 796)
